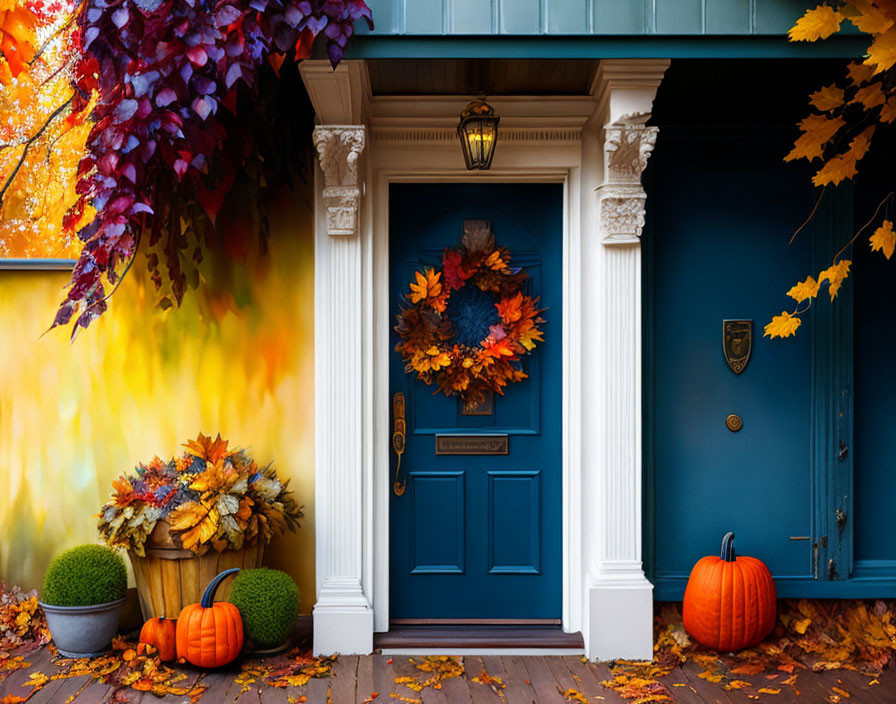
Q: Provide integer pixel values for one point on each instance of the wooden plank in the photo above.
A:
(709, 692)
(680, 686)
(515, 691)
(589, 679)
(275, 695)
(344, 679)
(70, 688)
(94, 693)
(480, 693)
(218, 684)
(861, 693)
(15, 683)
(564, 678)
(318, 690)
(519, 687)
(364, 686)
(542, 680)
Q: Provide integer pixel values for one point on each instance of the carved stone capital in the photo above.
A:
(339, 149)
(621, 198)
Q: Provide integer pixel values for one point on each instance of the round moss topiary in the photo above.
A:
(85, 576)
(268, 601)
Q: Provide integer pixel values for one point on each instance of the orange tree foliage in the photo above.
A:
(838, 133)
(41, 138)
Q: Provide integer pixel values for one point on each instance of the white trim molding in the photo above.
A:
(597, 147)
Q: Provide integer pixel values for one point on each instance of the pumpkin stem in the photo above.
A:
(728, 554)
(208, 597)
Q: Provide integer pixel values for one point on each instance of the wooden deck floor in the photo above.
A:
(526, 679)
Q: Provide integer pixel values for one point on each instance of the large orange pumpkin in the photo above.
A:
(159, 633)
(730, 601)
(210, 634)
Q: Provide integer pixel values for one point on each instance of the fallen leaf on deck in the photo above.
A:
(573, 695)
(408, 700)
(440, 667)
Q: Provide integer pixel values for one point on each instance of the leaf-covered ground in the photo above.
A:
(811, 636)
(820, 651)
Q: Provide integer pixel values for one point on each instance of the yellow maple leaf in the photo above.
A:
(845, 165)
(888, 110)
(859, 73)
(882, 52)
(187, 515)
(768, 690)
(819, 23)
(835, 275)
(817, 131)
(783, 325)
(738, 684)
(870, 96)
(827, 98)
(867, 17)
(801, 625)
(427, 285)
(884, 239)
(804, 289)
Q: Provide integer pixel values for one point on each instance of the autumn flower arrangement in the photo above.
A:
(466, 327)
(211, 497)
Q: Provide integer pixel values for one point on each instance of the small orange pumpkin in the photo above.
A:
(159, 633)
(210, 634)
(730, 601)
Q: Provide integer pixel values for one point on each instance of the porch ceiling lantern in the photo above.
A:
(478, 132)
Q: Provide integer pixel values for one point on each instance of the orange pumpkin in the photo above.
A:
(730, 601)
(159, 633)
(210, 634)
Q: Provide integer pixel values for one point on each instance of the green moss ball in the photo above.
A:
(268, 601)
(85, 576)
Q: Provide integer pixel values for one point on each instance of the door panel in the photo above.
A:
(479, 536)
(723, 208)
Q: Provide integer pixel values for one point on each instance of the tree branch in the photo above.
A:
(31, 141)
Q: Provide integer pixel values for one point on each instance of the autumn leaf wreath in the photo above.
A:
(466, 327)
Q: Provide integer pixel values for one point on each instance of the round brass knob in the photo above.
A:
(734, 422)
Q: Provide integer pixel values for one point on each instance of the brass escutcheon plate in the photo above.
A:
(734, 422)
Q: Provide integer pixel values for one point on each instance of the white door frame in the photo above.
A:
(574, 141)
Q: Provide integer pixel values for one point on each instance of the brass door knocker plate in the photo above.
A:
(399, 430)
(737, 343)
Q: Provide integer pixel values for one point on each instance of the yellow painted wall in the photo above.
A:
(139, 382)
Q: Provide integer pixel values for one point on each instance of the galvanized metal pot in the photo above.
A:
(83, 631)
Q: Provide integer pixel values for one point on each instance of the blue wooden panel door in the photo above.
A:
(723, 207)
(478, 536)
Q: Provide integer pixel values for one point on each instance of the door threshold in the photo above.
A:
(478, 639)
(462, 652)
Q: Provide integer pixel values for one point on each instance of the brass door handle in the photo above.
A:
(399, 428)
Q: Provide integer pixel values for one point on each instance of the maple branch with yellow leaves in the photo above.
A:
(840, 131)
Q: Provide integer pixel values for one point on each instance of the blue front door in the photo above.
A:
(478, 536)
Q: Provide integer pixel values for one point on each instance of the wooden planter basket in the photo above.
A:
(169, 577)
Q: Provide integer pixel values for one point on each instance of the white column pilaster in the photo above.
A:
(343, 617)
(619, 598)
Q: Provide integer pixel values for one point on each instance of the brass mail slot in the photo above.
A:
(471, 444)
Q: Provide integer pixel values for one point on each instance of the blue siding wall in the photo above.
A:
(585, 17)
